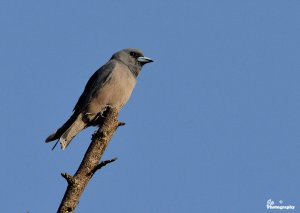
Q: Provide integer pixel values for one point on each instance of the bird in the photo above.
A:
(110, 86)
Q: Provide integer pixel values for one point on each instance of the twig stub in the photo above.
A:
(69, 178)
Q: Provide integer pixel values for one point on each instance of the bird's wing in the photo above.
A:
(97, 80)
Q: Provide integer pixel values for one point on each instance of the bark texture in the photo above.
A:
(90, 163)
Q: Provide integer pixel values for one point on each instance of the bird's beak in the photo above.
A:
(144, 60)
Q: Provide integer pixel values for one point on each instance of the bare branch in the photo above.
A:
(90, 162)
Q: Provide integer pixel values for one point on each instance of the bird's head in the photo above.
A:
(133, 58)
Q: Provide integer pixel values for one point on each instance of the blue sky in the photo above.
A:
(212, 126)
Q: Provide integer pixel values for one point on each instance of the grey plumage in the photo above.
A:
(111, 85)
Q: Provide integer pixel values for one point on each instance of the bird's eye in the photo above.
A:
(133, 54)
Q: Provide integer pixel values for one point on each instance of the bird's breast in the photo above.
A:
(115, 92)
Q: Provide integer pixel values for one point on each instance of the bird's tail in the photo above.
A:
(71, 132)
(68, 131)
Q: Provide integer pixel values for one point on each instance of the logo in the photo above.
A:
(280, 206)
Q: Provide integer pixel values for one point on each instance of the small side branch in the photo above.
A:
(104, 163)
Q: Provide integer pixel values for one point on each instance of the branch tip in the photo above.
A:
(121, 124)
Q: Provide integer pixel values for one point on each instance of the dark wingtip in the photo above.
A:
(51, 138)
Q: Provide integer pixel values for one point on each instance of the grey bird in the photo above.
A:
(110, 86)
